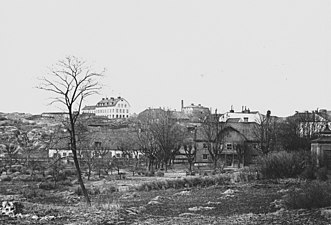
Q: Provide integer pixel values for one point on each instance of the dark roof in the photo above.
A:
(246, 129)
(233, 120)
(109, 102)
(89, 107)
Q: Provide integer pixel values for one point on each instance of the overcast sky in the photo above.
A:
(266, 55)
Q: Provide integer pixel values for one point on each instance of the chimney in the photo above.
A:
(182, 104)
(231, 111)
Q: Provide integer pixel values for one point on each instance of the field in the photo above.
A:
(253, 202)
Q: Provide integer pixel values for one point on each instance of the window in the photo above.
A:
(70, 154)
(246, 119)
(205, 156)
(229, 146)
(127, 111)
(205, 145)
(64, 154)
(118, 155)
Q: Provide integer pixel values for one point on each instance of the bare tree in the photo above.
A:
(10, 145)
(190, 150)
(211, 131)
(167, 134)
(265, 133)
(71, 81)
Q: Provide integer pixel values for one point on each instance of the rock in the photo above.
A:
(35, 217)
(5, 178)
(214, 203)
(229, 192)
(282, 191)
(123, 188)
(198, 208)
(188, 214)
(15, 174)
(182, 193)
(326, 213)
(153, 203)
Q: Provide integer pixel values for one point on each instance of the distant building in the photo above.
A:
(110, 107)
(244, 116)
(196, 113)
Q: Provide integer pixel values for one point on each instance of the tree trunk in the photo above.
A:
(80, 180)
(74, 153)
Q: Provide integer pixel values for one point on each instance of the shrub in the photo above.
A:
(78, 191)
(32, 193)
(322, 174)
(65, 183)
(185, 182)
(281, 165)
(308, 173)
(47, 186)
(313, 194)
(160, 174)
(69, 172)
(150, 174)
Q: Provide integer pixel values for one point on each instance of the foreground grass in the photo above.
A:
(243, 203)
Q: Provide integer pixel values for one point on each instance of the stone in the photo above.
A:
(326, 213)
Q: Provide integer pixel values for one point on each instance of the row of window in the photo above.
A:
(228, 146)
(118, 116)
(117, 155)
(112, 111)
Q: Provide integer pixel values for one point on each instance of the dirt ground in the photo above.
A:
(238, 203)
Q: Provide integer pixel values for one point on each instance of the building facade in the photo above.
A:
(111, 108)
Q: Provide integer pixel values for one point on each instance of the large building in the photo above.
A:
(110, 107)
(244, 116)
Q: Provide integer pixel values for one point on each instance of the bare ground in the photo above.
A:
(243, 203)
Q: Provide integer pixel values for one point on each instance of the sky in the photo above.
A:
(263, 54)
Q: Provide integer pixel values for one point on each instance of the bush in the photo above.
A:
(322, 174)
(313, 194)
(160, 174)
(32, 193)
(281, 165)
(47, 186)
(69, 172)
(185, 182)
(308, 173)
(150, 174)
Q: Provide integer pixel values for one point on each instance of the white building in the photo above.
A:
(110, 107)
(244, 116)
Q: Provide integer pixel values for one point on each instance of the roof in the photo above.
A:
(251, 116)
(196, 106)
(89, 107)
(233, 120)
(110, 102)
(246, 129)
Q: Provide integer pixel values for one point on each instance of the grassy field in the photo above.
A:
(231, 203)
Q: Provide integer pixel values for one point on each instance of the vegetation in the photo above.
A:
(313, 194)
(281, 165)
